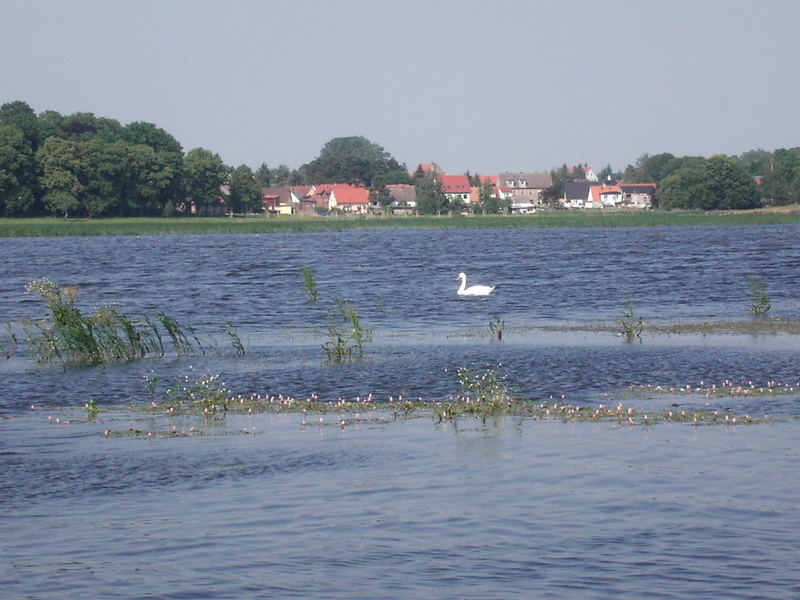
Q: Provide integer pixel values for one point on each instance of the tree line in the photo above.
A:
(84, 165)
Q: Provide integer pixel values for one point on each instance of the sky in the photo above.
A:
(480, 86)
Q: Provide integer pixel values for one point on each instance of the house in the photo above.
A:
(576, 194)
(638, 195)
(457, 188)
(587, 173)
(277, 200)
(525, 189)
(606, 195)
(403, 197)
(426, 168)
(349, 199)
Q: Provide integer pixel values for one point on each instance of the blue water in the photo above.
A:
(273, 506)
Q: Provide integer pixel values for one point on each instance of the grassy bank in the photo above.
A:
(47, 227)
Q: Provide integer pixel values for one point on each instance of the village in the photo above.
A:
(520, 193)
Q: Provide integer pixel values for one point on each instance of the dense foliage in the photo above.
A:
(84, 165)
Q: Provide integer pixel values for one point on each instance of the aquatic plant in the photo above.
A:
(205, 395)
(346, 334)
(759, 300)
(68, 336)
(91, 409)
(8, 347)
(479, 393)
(310, 283)
(236, 342)
(724, 389)
(631, 325)
(496, 327)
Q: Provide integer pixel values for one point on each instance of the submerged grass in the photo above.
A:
(51, 226)
(761, 326)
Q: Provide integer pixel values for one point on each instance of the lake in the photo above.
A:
(293, 505)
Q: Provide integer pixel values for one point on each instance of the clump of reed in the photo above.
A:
(310, 283)
(759, 300)
(68, 336)
(346, 334)
(496, 327)
(632, 325)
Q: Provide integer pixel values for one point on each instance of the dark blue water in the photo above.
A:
(265, 506)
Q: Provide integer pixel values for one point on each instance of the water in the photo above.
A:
(267, 506)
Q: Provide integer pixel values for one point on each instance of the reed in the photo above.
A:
(496, 327)
(632, 325)
(759, 300)
(51, 226)
(347, 336)
(236, 341)
(310, 283)
(68, 336)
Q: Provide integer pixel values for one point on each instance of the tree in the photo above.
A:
(61, 163)
(263, 175)
(17, 172)
(18, 114)
(204, 174)
(245, 193)
(354, 160)
(431, 199)
(718, 183)
(379, 193)
(781, 177)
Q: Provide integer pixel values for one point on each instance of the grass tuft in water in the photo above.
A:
(310, 283)
(236, 341)
(496, 327)
(759, 300)
(632, 325)
(68, 336)
(346, 334)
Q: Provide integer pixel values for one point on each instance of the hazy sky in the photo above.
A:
(485, 86)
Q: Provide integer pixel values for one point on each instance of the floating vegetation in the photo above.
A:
(766, 325)
(726, 389)
(68, 336)
(759, 301)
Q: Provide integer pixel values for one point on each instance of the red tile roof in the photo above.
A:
(349, 194)
(455, 184)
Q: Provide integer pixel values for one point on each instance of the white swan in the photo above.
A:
(473, 290)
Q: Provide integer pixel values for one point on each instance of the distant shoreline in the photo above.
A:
(55, 227)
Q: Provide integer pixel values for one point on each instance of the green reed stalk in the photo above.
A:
(632, 325)
(759, 300)
(310, 283)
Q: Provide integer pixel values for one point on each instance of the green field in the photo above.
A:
(49, 226)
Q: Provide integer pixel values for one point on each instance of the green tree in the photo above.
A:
(245, 193)
(204, 174)
(431, 199)
(379, 193)
(263, 175)
(17, 172)
(354, 160)
(61, 163)
(718, 183)
(781, 177)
